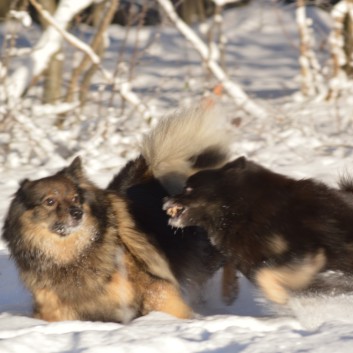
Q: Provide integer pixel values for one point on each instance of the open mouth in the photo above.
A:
(175, 212)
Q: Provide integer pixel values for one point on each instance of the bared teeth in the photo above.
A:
(174, 211)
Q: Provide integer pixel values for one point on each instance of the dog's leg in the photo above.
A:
(49, 307)
(230, 285)
(165, 297)
(276, 281)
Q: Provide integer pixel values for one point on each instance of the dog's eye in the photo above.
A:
(50, 201)
(188, 190)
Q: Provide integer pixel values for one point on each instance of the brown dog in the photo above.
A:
(92, 254)
(283, 234)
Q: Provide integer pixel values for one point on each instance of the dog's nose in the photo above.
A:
(76, 212)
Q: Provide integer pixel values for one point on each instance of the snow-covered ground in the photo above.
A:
(301, 138)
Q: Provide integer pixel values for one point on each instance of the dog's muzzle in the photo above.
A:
(68, 223)
(75, 212)
(174, 210)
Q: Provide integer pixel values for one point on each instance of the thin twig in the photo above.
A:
(94, 47)
(74, 41)
(233, 90)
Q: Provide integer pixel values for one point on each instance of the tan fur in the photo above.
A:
(124, 277)
(49, 307)
(115, 298)
(139, 245)
(162, 296)
(275, 282)
(92, 297)
(61, 250)
(129, 289)
(277, 245)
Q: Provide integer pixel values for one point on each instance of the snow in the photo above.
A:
(301, 138)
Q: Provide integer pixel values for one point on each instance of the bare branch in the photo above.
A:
(94, 47)
(233, 90)
(74, 41)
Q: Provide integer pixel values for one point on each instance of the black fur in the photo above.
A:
(192, 257)
(209, 158)
(263, 220)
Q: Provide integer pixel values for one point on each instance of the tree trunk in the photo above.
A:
(310, 75)
(339, 45)
(54, 73)
(97, 45)
(48, 44)
(348, 40)
(192, 11)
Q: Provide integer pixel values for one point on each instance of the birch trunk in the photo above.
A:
(310, 76)
(341, 13)
(53, 74)
(48, 44)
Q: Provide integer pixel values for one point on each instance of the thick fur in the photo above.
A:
(177, 147)
(92, 254)
(81, 255)
(285, 235)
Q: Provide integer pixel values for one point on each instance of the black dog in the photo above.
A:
(283, 234)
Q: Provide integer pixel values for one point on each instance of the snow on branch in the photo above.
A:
(74, 41)
(233, 90)
(48, 44)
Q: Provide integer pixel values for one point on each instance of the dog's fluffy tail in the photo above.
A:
(185, 142)
(178, 146)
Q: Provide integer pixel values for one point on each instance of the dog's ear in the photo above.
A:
(24, 183)
(23, 194)
(75, 170)
(24, 186)
(239, 163)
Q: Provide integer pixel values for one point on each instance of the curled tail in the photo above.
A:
(178, 146)
(185, 142)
